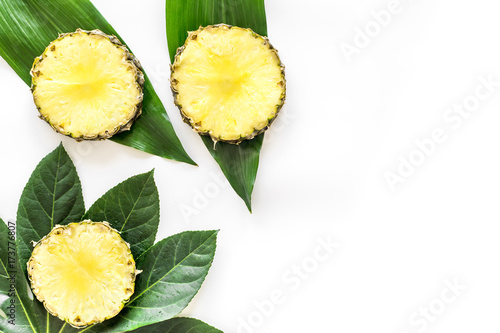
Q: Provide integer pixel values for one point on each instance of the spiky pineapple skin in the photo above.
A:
(139, 79)
(57, 230)
(173, 86)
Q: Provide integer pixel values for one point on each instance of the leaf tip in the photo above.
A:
(248, 203)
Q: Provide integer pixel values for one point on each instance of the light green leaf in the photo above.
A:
(239, 163)
(179, 325)
(133, 208)
(28, 26)
(173, 271)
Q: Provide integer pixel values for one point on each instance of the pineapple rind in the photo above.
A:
(58, 229)
(188, 120)
(125, 126)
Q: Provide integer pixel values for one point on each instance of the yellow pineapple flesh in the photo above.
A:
(228, 82)
(87, 85)
(82, 272)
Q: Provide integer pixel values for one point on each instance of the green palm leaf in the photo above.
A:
(28, 26)
(239, 163)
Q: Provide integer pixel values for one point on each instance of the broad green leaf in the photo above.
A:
(53, 195)
(179, 325)
(28, 26)
(239, 163)
(16, 302)
(173, 271)
(133, 208)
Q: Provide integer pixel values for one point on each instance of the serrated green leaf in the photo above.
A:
(179, 325)
(26, 312)
(133, 208)
(239, 163)
(28, 26)
(173, 271)
(53, 195)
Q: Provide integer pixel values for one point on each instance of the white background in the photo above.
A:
(322, 172)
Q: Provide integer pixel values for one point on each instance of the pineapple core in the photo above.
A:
(83, 272)
(87, 86)
(228, 82)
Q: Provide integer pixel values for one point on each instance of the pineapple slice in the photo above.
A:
(228, 82)
(82, 272)
(87, 85)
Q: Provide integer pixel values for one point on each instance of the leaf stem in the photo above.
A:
(62, 327)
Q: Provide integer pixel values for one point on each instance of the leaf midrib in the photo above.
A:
(62, 327)
(54, 195)
(136, 201)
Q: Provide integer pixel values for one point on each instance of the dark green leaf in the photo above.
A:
(16, 300)
(239, 163)
(179, 325)
(188, 15)
(28, 26)
(173, 271)
(53, 195)
(133, 208)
